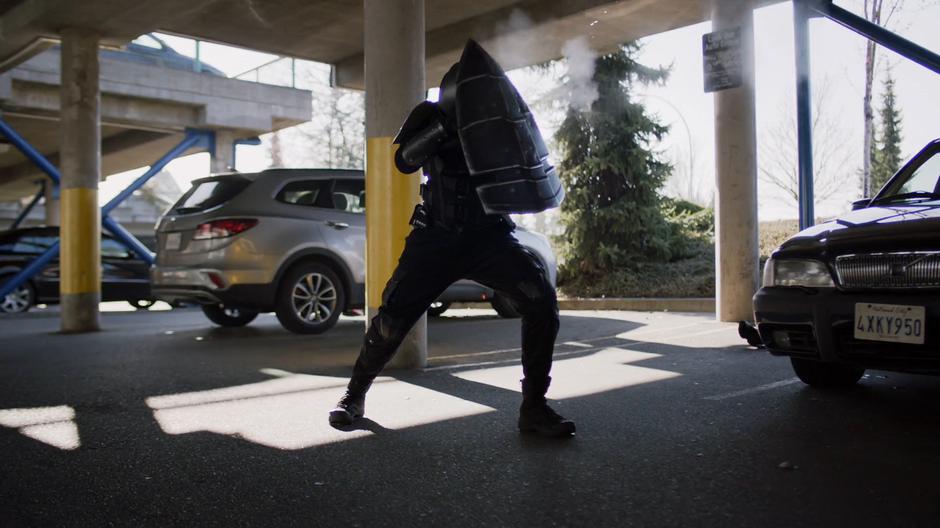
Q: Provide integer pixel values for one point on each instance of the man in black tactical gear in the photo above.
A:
(484, 158)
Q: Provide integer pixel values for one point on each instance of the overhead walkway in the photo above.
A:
(145, 110)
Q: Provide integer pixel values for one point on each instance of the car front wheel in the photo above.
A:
(228, 316)
(826, 375)
(19, 300)
(310, 299)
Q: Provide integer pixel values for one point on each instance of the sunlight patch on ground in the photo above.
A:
(54, 426)
(606, 370)
(290, 412)
(719, 334)
(121, 306)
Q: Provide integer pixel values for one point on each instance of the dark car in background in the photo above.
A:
(124, 277)
(861, 291)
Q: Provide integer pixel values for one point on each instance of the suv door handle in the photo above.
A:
(337, 225)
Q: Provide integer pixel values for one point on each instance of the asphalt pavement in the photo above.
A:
(164, 420)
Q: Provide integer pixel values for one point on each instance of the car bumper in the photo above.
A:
(819, 324)
(211, 286)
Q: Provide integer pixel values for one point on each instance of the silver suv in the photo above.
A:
(291, 241)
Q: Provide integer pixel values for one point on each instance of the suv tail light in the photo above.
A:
(223, 228)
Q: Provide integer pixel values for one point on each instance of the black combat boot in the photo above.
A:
(535, 416)
(352, 405)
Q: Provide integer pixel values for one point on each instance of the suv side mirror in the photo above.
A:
(861, 204)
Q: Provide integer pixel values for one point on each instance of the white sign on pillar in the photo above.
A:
(721, 54)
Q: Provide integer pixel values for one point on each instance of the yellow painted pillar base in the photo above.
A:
(390, 197)
(80, 259)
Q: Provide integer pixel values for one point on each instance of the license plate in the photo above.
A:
(893, 323)
(173, 241)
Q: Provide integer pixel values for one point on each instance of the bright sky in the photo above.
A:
(837, 64)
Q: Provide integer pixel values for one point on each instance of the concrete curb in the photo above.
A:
(635, 304)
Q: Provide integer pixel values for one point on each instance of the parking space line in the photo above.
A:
(752, 390)
(583, 342)
(625, 343)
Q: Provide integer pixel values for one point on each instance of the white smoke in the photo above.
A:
(512, 39)
(582, 91)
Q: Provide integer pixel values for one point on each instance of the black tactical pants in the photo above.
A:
(435, 258)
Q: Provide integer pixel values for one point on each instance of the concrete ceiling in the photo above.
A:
(517, 32)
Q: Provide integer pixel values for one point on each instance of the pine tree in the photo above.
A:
(887, 156)
(613, 212)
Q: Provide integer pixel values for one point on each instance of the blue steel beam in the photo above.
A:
(803, 113)
(193, 138)
(888, 39)
(29, 208)
(28, 151)
(36, 157)
(130, 241)
(33, 268)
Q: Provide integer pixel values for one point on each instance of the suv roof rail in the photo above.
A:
(311, 171)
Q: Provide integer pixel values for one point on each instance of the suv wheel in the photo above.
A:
(19, 300)
(504, 307)
(228, 316)
(826, 375)
(310, 299)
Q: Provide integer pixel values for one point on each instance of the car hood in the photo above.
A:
(909, 227)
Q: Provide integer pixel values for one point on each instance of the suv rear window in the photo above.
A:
(206, 194)
(314, 193)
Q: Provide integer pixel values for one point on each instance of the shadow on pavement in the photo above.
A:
(231, 429)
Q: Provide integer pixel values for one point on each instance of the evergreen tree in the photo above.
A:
(887, 156)
(613, 212)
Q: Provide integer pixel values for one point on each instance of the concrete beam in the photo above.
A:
(133, 94)
(736, 238)
(80, 167)
(394, 85)
(139, 105)
(223, 158)
(111, 145)
(534, 31)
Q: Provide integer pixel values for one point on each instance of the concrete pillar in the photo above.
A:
(51, 203)
(223, 160)
(80, 168)
(395, 83)
(736, 242)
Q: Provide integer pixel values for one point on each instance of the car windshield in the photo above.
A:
(920, 183)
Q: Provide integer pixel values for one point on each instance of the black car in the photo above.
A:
(861, 291)
(124, 276)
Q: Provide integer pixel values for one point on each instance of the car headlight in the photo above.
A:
(797, 272)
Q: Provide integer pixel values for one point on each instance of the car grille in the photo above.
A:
(889, 270)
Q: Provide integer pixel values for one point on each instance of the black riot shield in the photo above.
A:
(505, 153)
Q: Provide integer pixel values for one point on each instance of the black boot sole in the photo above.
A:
(341, 417)
(562, 430)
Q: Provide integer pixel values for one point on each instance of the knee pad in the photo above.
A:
(385, 330)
